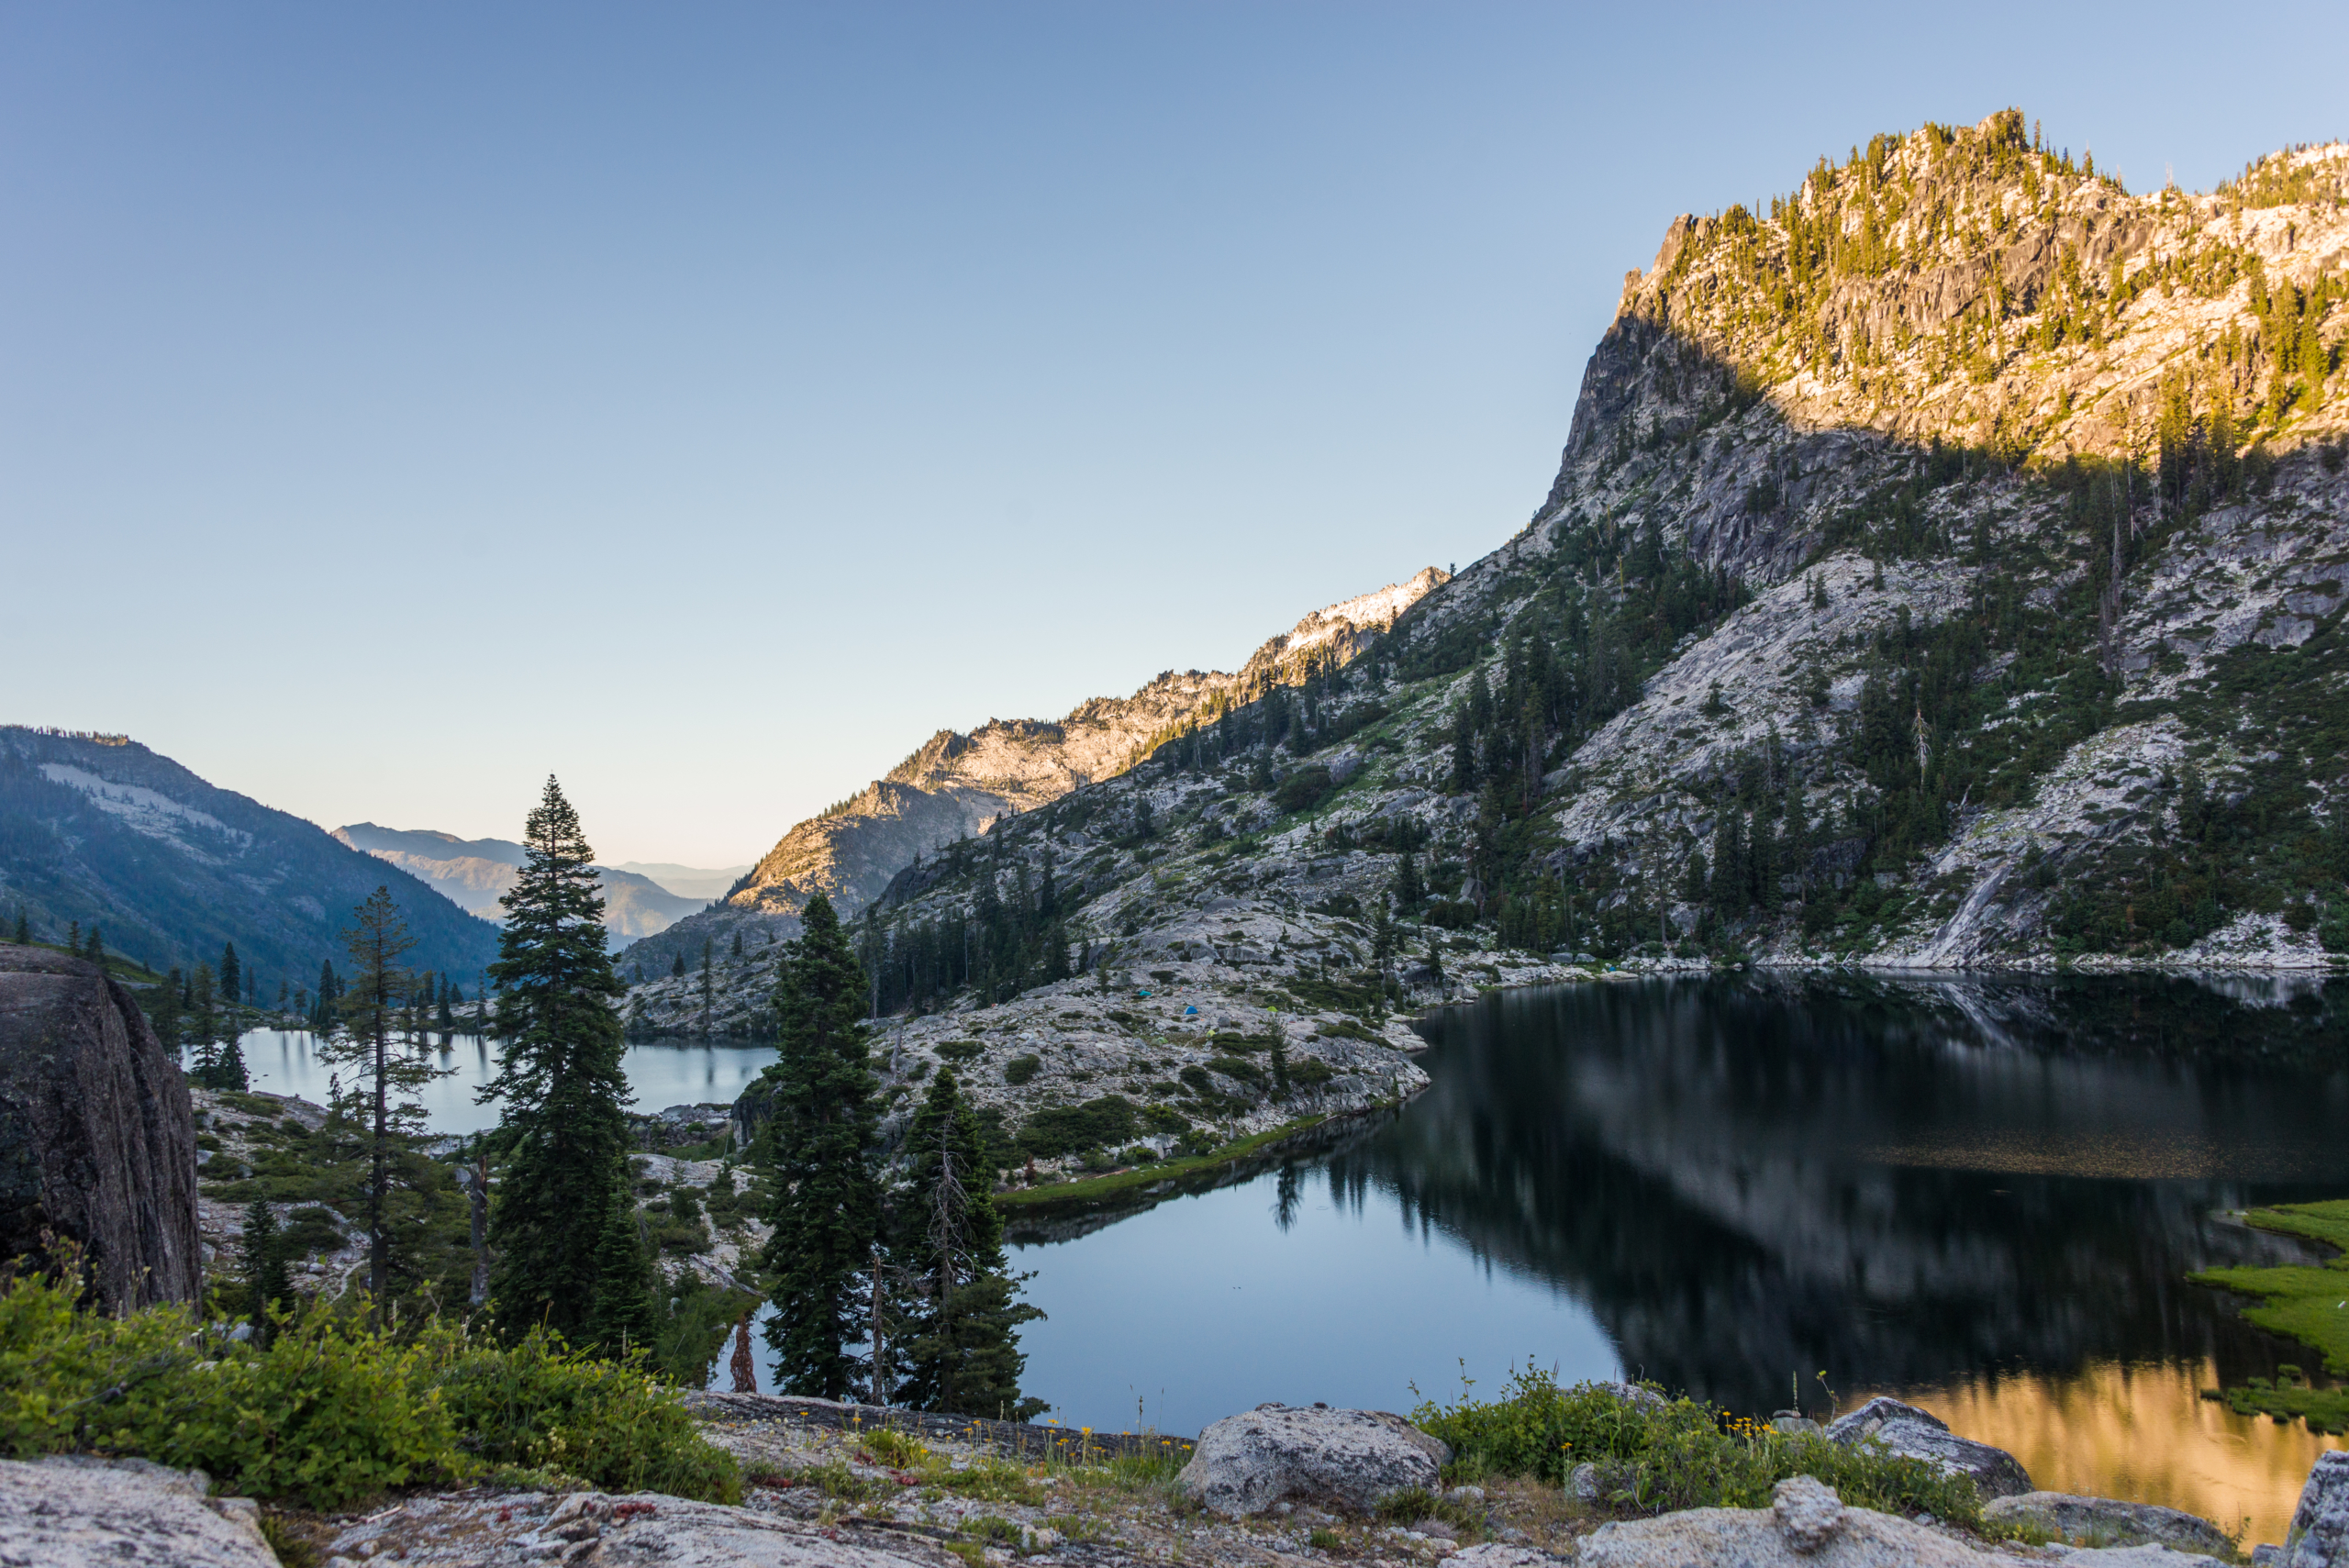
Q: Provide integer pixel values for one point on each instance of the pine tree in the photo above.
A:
(377, 938)
(261, 1265)
(96, 950)
(228, 1070)
(677, 970)
(827, 1211)
(203, 1027)
(962, 1352)
(625, 1315)
(563, 1092)
(1408, 889)
(167, 1012)
(24, 927)
(231, 977)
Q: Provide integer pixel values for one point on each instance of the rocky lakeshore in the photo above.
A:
(834, 1484)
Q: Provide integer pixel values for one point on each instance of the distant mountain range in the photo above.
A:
(476, 873)
(99, 829)
(703, 883)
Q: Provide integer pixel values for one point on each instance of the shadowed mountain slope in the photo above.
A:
(100, 829)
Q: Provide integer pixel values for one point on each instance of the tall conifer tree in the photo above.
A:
(563, 1093)
(827, 1208)
(260, 1261)
(963, 1355)
(377, 938)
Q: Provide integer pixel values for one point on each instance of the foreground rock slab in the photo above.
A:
(2111, 1522)
(1807, 1524)
(72, 1512)
(513, 1529)
(1920, 1434)
(1342, 1460)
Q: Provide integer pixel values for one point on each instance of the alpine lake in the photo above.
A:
(1982, 1194)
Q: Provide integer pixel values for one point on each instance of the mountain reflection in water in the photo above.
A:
(1895, 1184)
(1982, 1192)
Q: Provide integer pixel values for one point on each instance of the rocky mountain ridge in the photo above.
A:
(956, 785)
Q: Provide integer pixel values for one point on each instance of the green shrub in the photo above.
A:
(1682, 1455)
(1238, 1070)
(539, 1404)
(1064, 1129)
(959, 1051)
(1451, 913)
(1021, 1069)
(1303, 789)
(332, 1410)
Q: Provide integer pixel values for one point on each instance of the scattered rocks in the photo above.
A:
(1345, 1460)
(1809, 1524)
(74, 1512)
(97, 1138)
(1905, 1429)
(2108, 1520)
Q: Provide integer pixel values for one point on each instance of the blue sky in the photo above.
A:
(707, 403)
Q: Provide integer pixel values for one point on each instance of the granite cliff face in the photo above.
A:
(956, 785)
(97, 1142)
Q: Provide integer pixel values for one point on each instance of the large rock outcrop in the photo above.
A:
(98, 1139)
(1920, 1434)
(2111, 1520)
(1345, 1460)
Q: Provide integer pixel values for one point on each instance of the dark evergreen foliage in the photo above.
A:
(818, 1149)
(960, 1345)
(564, 1092)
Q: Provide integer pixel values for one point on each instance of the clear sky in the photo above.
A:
(706, 402)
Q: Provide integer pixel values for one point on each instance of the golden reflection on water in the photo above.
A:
(2142, 1432)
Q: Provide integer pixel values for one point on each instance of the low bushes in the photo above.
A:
(1681, 1454)
(332, 1410)
(1065, 1130)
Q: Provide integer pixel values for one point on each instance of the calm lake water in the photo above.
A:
(1982, 1195)
(662, 1073)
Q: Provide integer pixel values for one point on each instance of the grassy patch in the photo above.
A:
(1414, 1505)
(1098, 1186)
(1681, 1454)
(2302, 1303)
